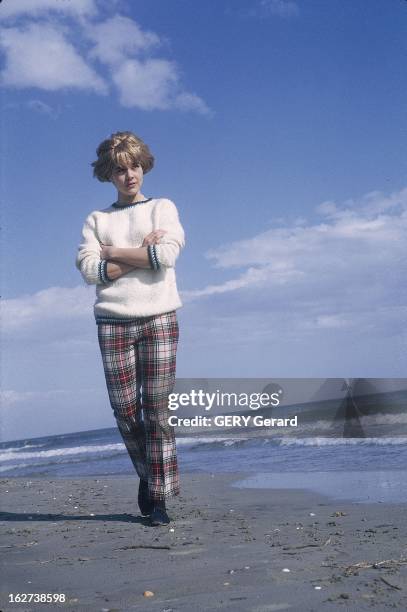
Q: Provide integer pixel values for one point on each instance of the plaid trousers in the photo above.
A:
(139, 360)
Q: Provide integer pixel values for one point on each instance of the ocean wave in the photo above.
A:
(10, 467)
(13, 460)
(9, 455)
(225, 442)
(379, 418)
(291, 441)
(209, 440)
(18, 449)
(385, 441)
(69, 460)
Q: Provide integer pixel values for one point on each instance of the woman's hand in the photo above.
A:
(153, 237)
(136, 257)
(106, 251)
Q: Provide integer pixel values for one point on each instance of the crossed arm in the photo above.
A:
(122, 260)
(100, 263)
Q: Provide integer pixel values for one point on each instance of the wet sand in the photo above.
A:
(227, 548)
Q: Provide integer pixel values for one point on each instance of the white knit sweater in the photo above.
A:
(140, 292)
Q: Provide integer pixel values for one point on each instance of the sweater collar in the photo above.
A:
(121, 206)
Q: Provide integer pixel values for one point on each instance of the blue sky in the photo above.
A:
(279, 130)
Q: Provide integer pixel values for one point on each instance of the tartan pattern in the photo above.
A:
(139, 360)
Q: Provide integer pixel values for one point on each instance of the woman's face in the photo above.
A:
(128, 179)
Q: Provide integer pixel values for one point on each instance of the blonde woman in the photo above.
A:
(128, 251)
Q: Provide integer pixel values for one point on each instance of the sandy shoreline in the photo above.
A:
(227, 550)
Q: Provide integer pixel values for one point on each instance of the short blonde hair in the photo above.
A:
(122, 148)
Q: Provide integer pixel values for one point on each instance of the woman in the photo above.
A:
(129, 252)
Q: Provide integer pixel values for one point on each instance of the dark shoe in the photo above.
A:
(145, 504)
(159, 516)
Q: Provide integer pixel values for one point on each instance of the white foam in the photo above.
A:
(385, 441)
(228, 440)
(4, 468)
(10, 455)
(17, 449)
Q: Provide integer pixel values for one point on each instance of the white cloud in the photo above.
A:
(332, 321)
(39, 55)
(263, 9)
(153, 84)
(281, 8)
(42, 108)
(46, 306)
(118, 38)
(143, 82)
(31, 413)
(11, 397)
(327, 208)
(346, 272)
(35, 105)
(191, 102)
(252, 277)
(371, 203)
(11, 9)
(148, 85)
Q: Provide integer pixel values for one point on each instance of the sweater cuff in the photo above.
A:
(102, 271)
(152, 256)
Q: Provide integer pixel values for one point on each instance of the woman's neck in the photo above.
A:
(123, 199)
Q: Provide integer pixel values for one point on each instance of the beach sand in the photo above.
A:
(226, 549)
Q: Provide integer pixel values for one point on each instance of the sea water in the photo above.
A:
(362, 469)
